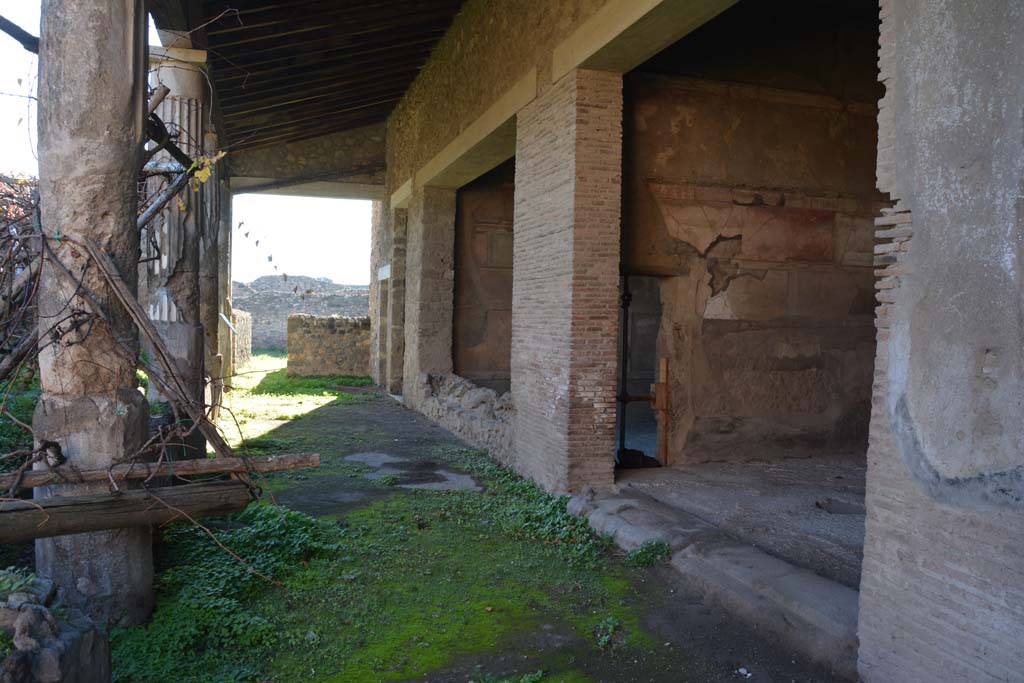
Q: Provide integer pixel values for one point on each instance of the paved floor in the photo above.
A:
(807, 511)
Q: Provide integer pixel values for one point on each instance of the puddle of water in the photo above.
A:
(414, 473)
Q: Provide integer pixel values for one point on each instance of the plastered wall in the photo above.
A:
(755, 206)
(482, 315)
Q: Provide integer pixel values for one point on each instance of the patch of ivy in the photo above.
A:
(6, 644)
(202, 629)
(649, 554)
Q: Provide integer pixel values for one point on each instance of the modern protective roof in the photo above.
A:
(290, 70)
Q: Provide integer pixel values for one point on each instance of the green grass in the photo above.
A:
(264, 398)
(279, 383)
(380, 598)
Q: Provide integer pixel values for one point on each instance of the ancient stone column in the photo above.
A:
(565, 315)
(92, 76)
(430, 278)
(172, 268)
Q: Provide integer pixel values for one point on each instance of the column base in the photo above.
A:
(107, 574)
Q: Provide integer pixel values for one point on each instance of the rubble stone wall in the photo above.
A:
(328, 346)
(478, 415)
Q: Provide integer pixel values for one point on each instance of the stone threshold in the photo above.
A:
(801, 610)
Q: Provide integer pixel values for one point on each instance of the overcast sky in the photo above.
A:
(304, 236)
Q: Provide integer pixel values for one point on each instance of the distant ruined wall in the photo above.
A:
(272, 299)
(241, 340)
(328, 346)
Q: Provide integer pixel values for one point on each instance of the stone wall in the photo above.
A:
(47, 645)
(241, 340)
(942, 591)
(328, 346)
(271, 299)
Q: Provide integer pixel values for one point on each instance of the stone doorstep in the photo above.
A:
(811, 614)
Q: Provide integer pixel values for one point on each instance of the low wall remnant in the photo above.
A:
(323, 346)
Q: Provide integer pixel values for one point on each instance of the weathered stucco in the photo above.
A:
(942, 589)
(482, 334)
(755, 206)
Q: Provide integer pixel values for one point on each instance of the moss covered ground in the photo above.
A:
(352, 579)
(498, 585)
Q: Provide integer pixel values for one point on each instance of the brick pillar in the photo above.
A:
(565, 283)
(89, 158)
(429, 278)
(396, 303)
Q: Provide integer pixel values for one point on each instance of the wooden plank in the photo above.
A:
(23, 520)
(145, 470)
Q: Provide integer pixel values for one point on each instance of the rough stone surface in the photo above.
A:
(942, 591)
(72, 649)
(271, 299)
(395, 347)
(428, 290)
(329, 157)
(565, 285)
(326, 346)
(241, 340)
(477, 414)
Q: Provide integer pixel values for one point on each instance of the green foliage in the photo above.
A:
(202, 629)
(532, 677)
(6, 644)
(605, 631)
(519, 507)
(649, 554)
(21, 402)
(280, 384)
(14, 579)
